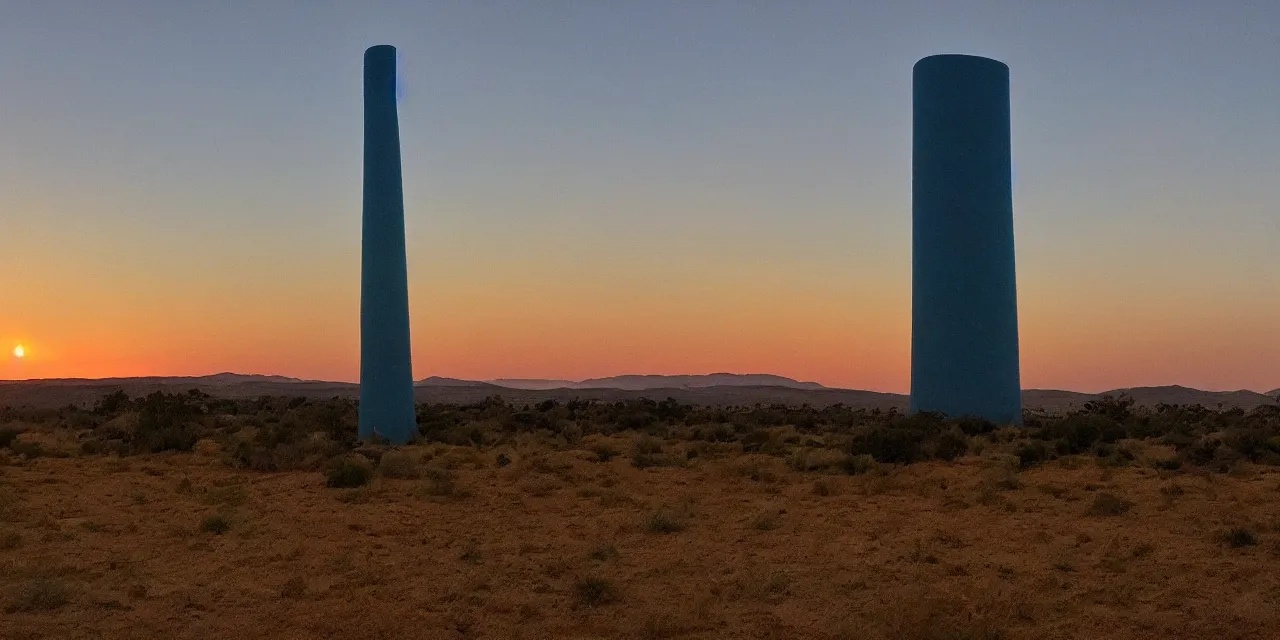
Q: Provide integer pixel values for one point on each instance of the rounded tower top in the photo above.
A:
(961, 60)
(380, 53)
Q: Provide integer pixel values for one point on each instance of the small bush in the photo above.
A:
(1106, 505)
(216, 524)
(349, 473)
(471, 554)
(293, 588)
(860, 464)
(757, 468)
(604, 452)
(595, 591)
(398, 464)
(441, 483)
(38, 595)
(1032, 453)
(604, 551)
(1240, 537)
(665, 521)
(28, 449)
(8, 436)
(647, 452)
(950, 444)
(767, 521)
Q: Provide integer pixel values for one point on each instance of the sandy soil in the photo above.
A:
(559, 545)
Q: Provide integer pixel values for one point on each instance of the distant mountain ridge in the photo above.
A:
(719, 389)
(639, 382)
(225, 378)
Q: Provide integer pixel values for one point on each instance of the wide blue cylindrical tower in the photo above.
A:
(964, 309)
(386, 371)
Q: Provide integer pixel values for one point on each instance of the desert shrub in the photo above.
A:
(646, 452)
(1117, 409)
(974, 426)
(1032, 453)
(604, 451)
(349, 473)
(814, 459)
(950, 444)
(1107, 504)
(860, 464)
(888, 444)
(215, 524)
(41, 594)
(112, 404)
(293, 588)
(665, 521)
(1240, 537)
(594, 591)
(442, 483)
(27, 449)
(604, 551)
(757, 468)
(398, 464)
(765, 521)
(168, 422)
(8, 436)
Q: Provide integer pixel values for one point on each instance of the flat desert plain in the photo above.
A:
(526, 541)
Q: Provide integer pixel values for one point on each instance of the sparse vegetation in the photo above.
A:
(41, 594)
(215, 524)
(349, 473)
(594, 591)
(270, 434)
(1239, 537)
(398, 464)
(665, 520)
(1107, 504)
(560, 487)
(442, 483)
(604, 551)
(293, 588)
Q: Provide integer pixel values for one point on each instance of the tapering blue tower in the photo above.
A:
(964, 308)
(386, 371)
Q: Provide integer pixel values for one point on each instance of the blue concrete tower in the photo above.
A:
(964, 307)
(386, 371)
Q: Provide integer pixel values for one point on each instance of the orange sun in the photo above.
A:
(19, 352)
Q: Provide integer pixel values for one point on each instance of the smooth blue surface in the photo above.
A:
(964, 306)
(386, 371)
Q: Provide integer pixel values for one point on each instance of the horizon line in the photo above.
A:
(493, 381)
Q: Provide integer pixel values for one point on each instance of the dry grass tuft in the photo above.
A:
(41, 594)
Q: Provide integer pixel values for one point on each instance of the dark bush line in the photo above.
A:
(275, 433)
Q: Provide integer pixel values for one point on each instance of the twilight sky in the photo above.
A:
(596, 188)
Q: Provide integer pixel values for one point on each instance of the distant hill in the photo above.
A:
(643, 382)
(437, 381)
(1175, 394)
(1274, 393)
(533, 384)
(696, 382)
(719, 389)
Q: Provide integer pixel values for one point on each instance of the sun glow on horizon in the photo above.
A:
(19, 352)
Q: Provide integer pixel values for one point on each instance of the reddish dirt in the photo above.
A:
(559, 545)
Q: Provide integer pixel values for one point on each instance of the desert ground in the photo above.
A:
(700, 540)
